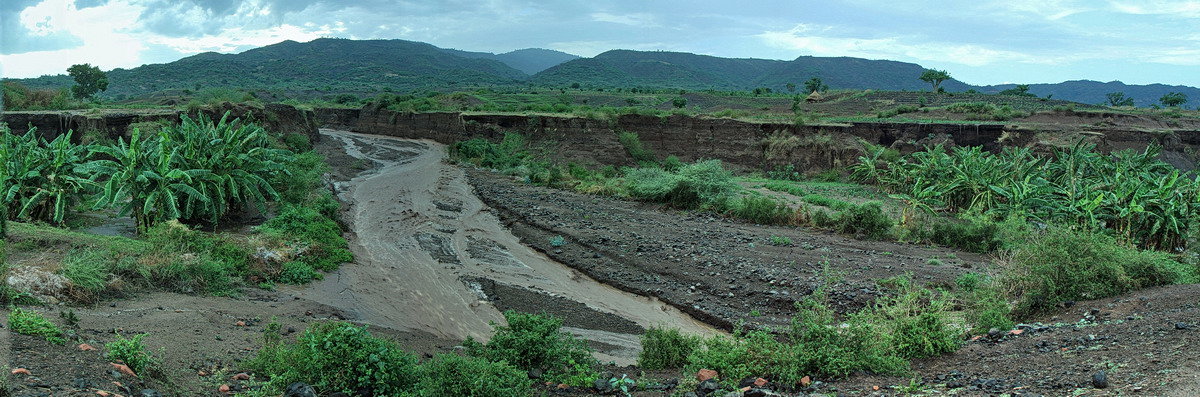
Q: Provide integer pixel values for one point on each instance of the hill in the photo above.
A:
(529, 60)
(321, 64)
(696, 72)
(1094, 92)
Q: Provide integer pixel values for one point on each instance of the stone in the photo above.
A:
(150, 393)
(223, 389)
(299, 389)
(124, 369)
(241, 376)
(706, 374)
(602, 384)
(21, 371)
(1100, 379)
(86, 347)
(755, 393)
(1182, 325)
(707, 387)
(760, 382)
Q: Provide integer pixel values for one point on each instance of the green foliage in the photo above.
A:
(679, 102)
(132, 352)
(781, 241)
(1019, 90)
(915, 320)
(532, 341)
(32, 323)
(1135, 195)
(1118, 99)
(1065, 265)
(335, 357)
(43, 179)
(898, 111)
(935, 77)
(971, 107)
(759, 209)
(867, 220)
(87, 270)
(633, 145)
(509, 153)
(88, 80)
(972, 235)
(815, 85)
(665, 349)
(317, 238)
(454, 375)
(692, 186)
(17, 96)
(1173, 99)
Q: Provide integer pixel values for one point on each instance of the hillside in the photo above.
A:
(322, 64)
(1094, 92)
(529, 60)
(692, 71)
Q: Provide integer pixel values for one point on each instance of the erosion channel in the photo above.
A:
(430, 256)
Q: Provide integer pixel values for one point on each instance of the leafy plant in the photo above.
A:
(336, 357)
(532, 341)
(665, 348)
(32, 323)
(624, 384)
(454, 375)
(132, 352)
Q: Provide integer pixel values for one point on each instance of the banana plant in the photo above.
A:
(144, 173)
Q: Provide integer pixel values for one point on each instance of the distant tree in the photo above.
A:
(796, 103)
(761, 90)
(815, 85)
(1118, 99)
(88, 80)
(679, 102)
(1019, 90)
(935, 77)
(791, 87)
(575, 85)
(1173, 99)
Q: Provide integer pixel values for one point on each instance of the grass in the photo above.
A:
(665, 349)
(131, 352)
(32, 323)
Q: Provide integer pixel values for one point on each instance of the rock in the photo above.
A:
(1182, 325)
(299, 390)
(124, 369)
(691, 394)
(760, 382)
(241, 376)
(86, 347)
(150, 393)
(536, 373)
(240, 324)
(1100, 379)
(602, 384)
(706, 374)
(733, 394)
(755, 393)
(805, 381)
(223, 389)
(994, 333)
(707, 387)
(21, 371)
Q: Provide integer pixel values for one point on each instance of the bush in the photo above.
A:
(87, 270)
(509, 153)
(969, 235)
(970, 107)
(692, 186)
(867, 220)
(915, 320)
(759, 209)
(335, 357)
(324, 248)
(454, 375)
(633, 145)
(1062, 265)
(532, 341)
(665, 349)
(132, 352)
(33, 324)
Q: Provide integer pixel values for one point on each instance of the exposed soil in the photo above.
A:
(718, 270)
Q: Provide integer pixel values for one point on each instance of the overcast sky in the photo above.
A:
(978, 41)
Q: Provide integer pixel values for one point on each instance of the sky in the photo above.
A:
(977, 41)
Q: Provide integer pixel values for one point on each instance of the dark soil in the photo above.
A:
(718, 270)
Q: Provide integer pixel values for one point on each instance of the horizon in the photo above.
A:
(1045, 42)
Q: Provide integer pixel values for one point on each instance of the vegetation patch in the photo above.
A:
(536, 342)
(32, 323)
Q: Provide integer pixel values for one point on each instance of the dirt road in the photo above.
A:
(431, 257)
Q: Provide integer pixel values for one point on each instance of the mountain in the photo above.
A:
(1095, 92)
(696, 72)
(529, 60)
(321, 64)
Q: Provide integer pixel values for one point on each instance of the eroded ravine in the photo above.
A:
(426, 247)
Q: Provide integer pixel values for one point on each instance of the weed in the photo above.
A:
(335, 357)
(454, 375)
(558, 241)
(781, 241)
(665, 348)
(934, 262)
(759, 209)
(532, 341)
(32, 323)
(623, 384)
(132, 352)
(867, 220)
(634, 147)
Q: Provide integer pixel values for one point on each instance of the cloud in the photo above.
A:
(810, 40)
(1181, 9)
(642, 20)
(590, 48)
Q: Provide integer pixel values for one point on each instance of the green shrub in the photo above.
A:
(509, 153)
(633, 145)
(692, 186)
(532, 341)
(759, 209)
(970, 107)
(297, 143)
(733, 358)
(454, 375)
(826, 347)
(665, 349)
(1062, 265)
(781, 241)
(969, 235)
(335, 357)
(324, 247)
(867, 220)
(915, 320)
(32, 323)
(132, 352)
(987, 309)
(816, 199)
(87, 270)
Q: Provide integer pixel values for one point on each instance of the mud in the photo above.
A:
(425, 244)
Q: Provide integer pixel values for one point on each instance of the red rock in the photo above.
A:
(563, 386)
(240, 323)
(223, 389)
(1017, 331)
(202, 373)
(118, 385)
(21, 371)
(875, 388)
(103, 393)
(241, 376)
(745, 389)
(805, 381)
(760, 382)
(86, 347)
(124, 369)
(706, 374)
